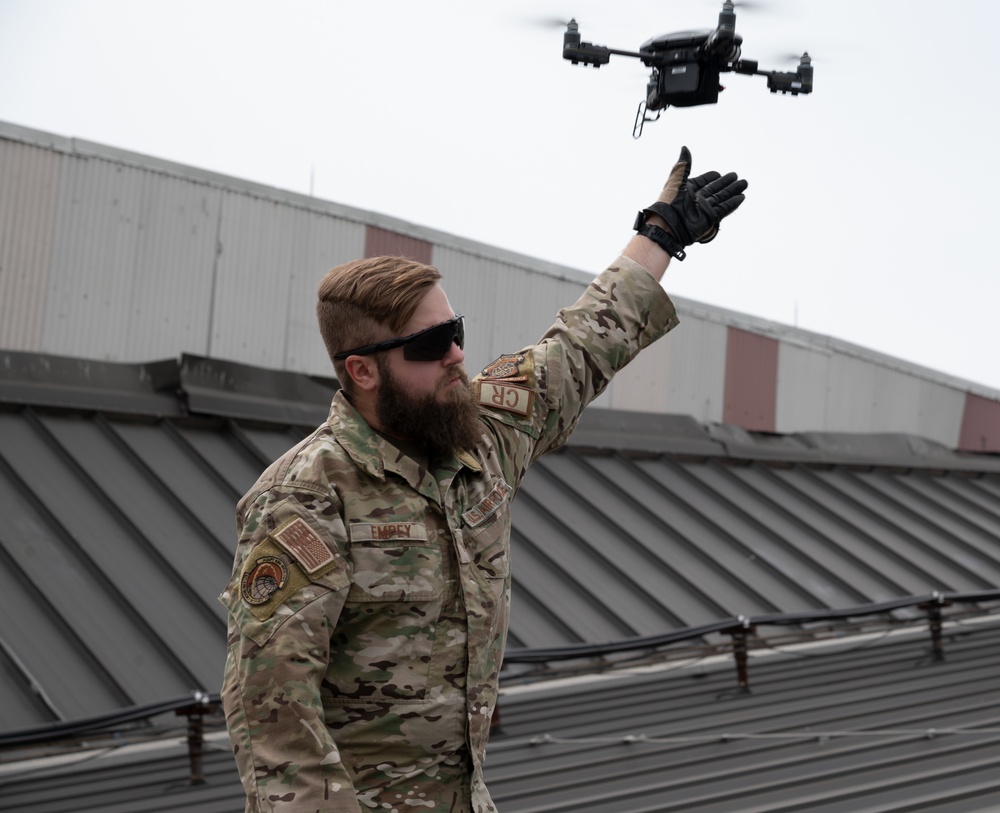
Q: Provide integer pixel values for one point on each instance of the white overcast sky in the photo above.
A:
(872, 212)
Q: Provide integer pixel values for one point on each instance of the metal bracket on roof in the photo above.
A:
(741, 651)
(933, 610)
(196, 732)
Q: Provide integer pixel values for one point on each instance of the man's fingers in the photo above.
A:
(727, 207)
(728, 184)
(696, 183)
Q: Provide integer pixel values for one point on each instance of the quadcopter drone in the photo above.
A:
(686, 65)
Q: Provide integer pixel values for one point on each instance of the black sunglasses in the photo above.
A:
(430, 344)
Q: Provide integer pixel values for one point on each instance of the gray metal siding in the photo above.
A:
(691, 361)
(131, 266)
(507, 306)
(112, 255)
(29, 189)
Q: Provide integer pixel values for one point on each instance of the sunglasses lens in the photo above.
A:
(434, 343)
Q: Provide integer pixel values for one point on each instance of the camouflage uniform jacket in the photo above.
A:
(369, 600)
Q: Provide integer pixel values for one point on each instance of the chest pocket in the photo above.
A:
(393, 561)
(487, 532)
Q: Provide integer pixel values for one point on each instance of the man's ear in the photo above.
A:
(363, 371)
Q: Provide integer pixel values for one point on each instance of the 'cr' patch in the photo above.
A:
(510, 397)
(267, 576)
(304, 544)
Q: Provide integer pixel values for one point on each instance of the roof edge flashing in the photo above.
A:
(43, 380)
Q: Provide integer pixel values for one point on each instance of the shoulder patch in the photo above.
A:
(264, 577)
(509, 397)
(267, 579)
(508, 384)
(304, 545)
(514, 367)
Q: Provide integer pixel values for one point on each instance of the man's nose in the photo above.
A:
(455, 355)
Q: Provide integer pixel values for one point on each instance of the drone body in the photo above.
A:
(685, 66)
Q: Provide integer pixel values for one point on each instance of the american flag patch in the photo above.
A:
(304, 544)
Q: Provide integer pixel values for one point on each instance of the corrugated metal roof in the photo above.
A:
(118, 485)
(861, 725)
(873, 726)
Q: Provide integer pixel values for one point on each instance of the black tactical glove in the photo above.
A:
(692, 208)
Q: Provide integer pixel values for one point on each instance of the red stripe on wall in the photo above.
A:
(751, 393)
(384, 243)
(980, 425)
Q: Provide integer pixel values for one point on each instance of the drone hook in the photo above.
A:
(640, 119)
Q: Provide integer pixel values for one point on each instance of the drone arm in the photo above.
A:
(780, 81)
(597, 55)
(589, 54)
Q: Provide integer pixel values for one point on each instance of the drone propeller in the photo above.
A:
(549, 22)
(742, 5)
(789, 56)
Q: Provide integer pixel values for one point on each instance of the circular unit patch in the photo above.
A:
(263, 580)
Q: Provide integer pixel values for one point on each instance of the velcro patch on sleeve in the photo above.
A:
(388, 532)
(509, 397)
(304, 545)
(487, 506)
(267, 581)
(513, 367)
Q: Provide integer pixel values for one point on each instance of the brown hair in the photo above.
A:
(367, 301)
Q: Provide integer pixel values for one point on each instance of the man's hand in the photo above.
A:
(693, 207)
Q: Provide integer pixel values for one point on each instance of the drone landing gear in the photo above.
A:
(641, 118)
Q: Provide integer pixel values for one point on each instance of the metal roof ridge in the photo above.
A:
(651, 434)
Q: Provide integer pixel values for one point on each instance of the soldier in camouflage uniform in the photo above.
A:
(369, 600)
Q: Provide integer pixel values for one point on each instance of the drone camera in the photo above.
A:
(680, 76)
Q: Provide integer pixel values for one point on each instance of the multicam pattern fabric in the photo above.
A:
(369, 600)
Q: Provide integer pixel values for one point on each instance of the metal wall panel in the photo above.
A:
(507, 306)
(323, 243)
(980, 424)
(691, 360)
(131, 274)
(272, 257)
(803, 383)
(848, 394)
(646, 383)
(382, 242)
(256, 240)
(29, 187)
(751, 380)
(172, 272)
(93, 261)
